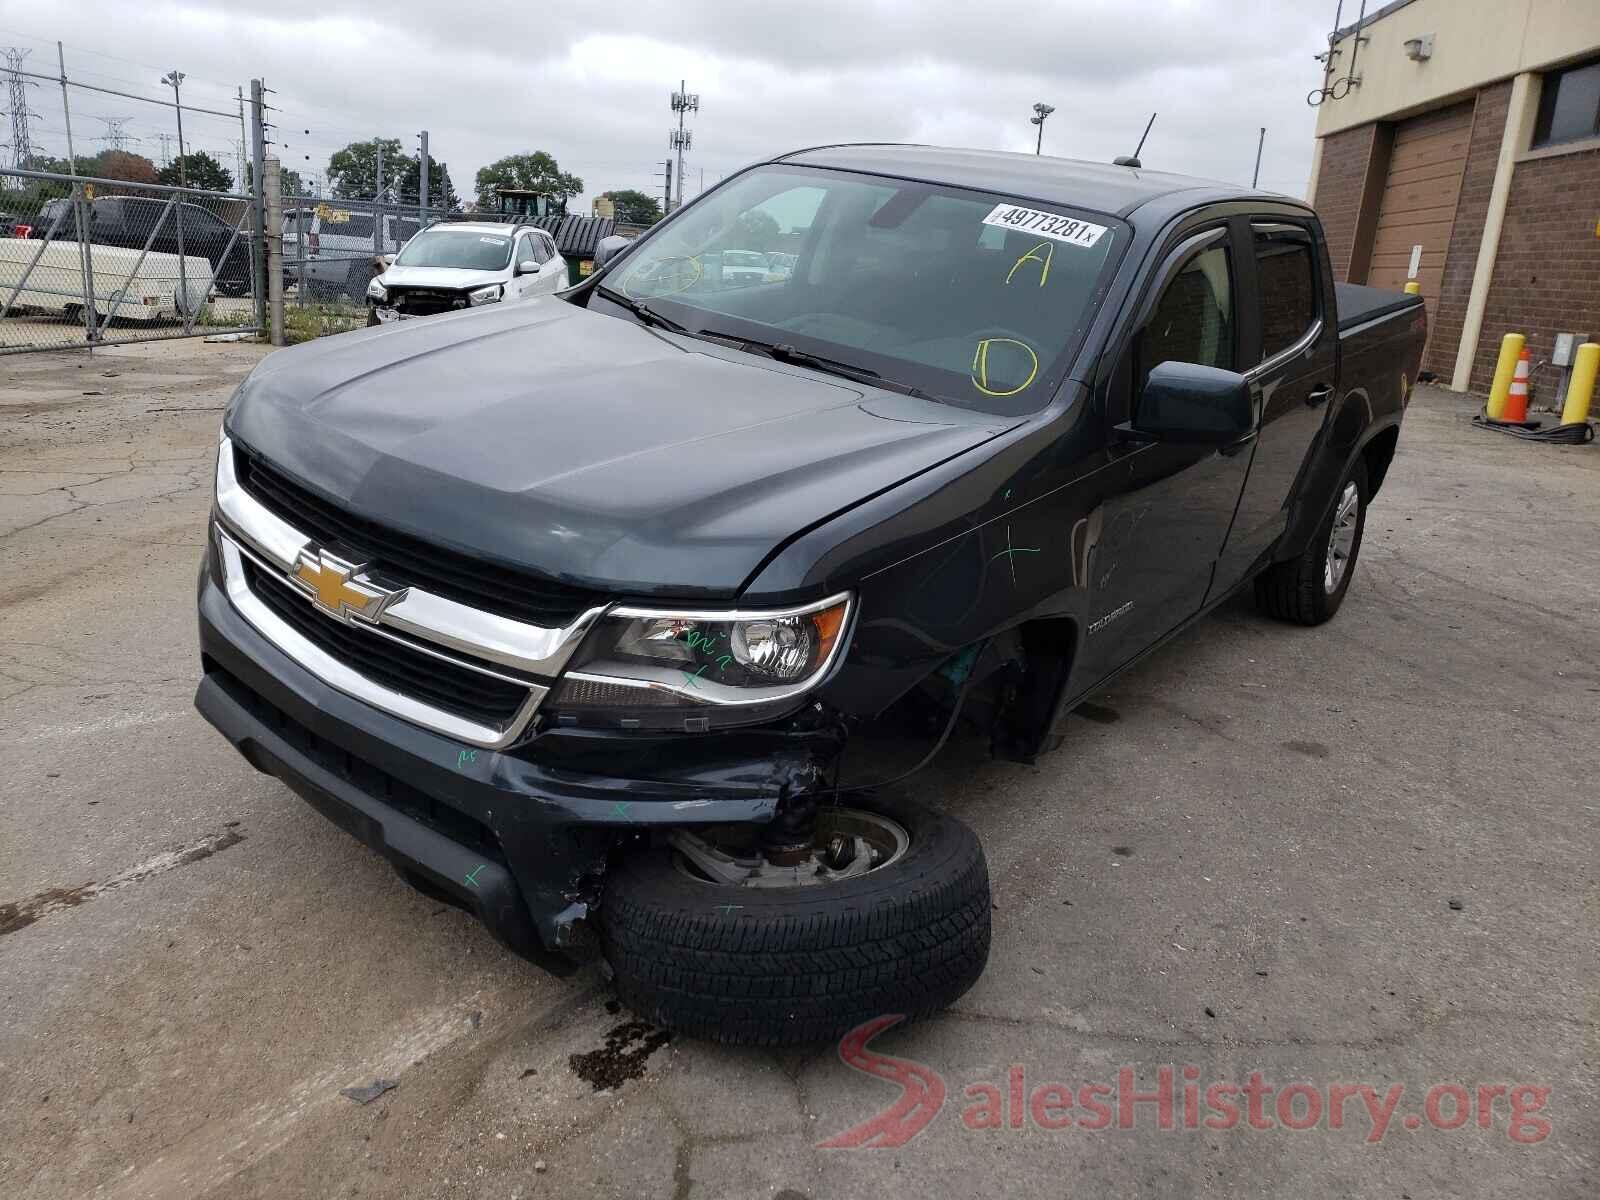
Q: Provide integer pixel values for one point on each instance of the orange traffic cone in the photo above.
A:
(1517, 401)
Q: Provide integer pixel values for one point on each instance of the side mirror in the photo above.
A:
(608, 248)
(527, 267)
(1185, 402)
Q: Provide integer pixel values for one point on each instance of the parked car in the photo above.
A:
(462, 264)
(615, 617)
(336, 249)
(130, 221)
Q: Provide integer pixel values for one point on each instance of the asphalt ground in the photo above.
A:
(1355, 857)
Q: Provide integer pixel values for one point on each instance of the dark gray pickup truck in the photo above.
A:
(615, 617)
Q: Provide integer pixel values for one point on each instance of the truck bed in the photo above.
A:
(1358, 304)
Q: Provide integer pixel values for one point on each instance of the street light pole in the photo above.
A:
(174, 79)
(1041, 111)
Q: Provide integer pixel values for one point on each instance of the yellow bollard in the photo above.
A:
(1510, 350)
(1413, 288)
(1585, 364)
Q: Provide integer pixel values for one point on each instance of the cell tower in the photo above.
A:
(681, 139)
(21, 143)
(116, 138)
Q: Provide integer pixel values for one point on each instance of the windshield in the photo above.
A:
(968, 296)
(467, 249)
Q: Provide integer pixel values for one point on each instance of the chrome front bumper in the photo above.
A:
(531, 656)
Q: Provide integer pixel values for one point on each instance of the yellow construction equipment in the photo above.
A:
(1510, 350)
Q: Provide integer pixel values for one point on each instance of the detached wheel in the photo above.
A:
(888, 914)
(1309, 589)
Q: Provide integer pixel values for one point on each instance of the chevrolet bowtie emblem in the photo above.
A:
(327, 579)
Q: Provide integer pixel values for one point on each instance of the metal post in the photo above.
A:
(273, 200)
(1259, 144)
(377, 205)
(244, 142)
(422, 180)
(80, 211)
(300, 254)
(258, 144)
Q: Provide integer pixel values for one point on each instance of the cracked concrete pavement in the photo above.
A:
(1365, 852)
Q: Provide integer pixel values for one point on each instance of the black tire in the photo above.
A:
(1297, 590)
(786, 966)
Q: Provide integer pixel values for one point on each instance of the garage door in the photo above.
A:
(1419, 199)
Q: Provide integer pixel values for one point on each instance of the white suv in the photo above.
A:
(461, 264)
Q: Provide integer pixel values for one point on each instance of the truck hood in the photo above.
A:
(586, 447)
(454, 278)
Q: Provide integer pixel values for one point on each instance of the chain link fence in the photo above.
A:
(102, 262)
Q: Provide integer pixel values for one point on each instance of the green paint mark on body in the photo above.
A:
(472, 875)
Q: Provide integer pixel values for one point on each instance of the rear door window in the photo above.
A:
(360, 225)
(1287, 277)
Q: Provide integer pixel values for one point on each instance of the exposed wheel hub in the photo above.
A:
(847, 843)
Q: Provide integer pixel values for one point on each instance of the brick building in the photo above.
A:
(1470, 129)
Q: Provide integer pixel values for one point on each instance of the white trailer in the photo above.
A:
(40, 276)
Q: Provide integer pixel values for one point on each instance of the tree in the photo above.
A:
(353, 171)
(441, 192)
(200, 170)
(534, 172)
(290, 183)
(119, 164)
(756, 230)
(635, 207)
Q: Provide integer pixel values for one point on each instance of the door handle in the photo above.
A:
(1319, 395)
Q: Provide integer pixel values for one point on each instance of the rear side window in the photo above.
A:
(1193, 321)
(1288, 279)
(360, 225)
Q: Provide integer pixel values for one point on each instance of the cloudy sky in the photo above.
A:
(590, 83)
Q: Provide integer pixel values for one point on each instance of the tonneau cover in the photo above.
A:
(1358, 304)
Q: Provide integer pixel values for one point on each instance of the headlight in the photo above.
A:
(643, 668)
(486, 295)
(376, 291)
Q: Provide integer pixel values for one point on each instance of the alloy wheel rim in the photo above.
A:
(1342, 538)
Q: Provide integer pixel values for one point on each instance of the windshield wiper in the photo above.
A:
(644, 312)
(784, 352)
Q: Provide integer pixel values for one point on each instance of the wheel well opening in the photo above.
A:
(1379, 453)
(1024, 732)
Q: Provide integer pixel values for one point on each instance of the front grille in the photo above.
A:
(454, 824)
(393, 664)
(456, 576)
(425, 302)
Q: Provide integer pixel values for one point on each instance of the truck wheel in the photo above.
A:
(890, 915)
(1309, 589)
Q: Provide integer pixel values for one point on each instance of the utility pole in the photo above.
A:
(258, 152)
(666, 177)
(1041, 111)
(422, 178)
(175, 78)
(680, 139)
(21, 142)
(1262, 141)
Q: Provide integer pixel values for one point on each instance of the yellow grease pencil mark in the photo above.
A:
(1033, 256)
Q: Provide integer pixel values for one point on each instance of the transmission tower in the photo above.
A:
(21, 143)
(166, 148)
(117, 138)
